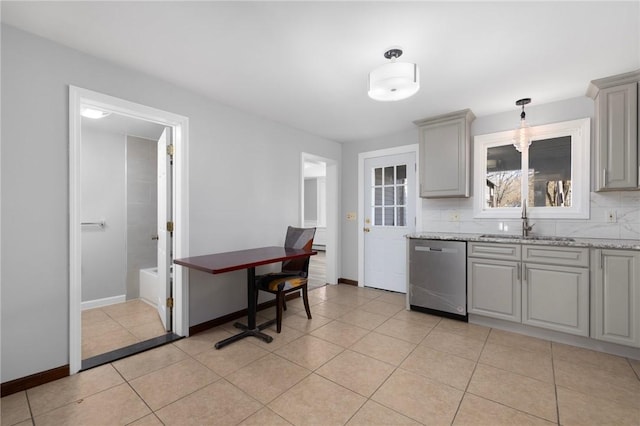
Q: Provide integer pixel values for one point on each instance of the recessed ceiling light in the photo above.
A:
(93, 113)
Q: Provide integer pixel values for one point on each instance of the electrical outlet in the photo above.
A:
(612, 216)
(351, 216)
(454, 217)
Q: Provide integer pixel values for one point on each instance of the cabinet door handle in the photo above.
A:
(519, 272)
(604, 177)
(524, 273)
(601, 259)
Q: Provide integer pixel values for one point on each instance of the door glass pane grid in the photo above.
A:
(389, 195)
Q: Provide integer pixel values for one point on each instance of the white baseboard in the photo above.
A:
(98, 303)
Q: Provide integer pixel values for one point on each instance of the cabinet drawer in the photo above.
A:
(553, 255)
(494, 251)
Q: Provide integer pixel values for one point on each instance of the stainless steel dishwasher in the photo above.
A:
(438, 277)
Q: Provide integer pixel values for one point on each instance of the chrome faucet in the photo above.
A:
(526, 228)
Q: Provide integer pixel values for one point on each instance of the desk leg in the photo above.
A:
(250, 329)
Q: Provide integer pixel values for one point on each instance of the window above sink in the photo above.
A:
(551, 175)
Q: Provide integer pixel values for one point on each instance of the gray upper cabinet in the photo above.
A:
(445, 154)
(617, 158)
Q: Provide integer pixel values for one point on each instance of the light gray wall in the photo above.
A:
(244, 176)
(435, 212)
(349, 228)
(142, 210)
(103, 198)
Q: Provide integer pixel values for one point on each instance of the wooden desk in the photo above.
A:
(244, 259)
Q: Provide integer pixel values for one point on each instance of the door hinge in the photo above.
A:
(170, 302)
(170, 150)
(169, 226)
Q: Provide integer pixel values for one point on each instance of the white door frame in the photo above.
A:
(361, 208)
(333, 223)
(79, 97)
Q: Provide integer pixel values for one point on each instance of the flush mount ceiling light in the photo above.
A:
(522, 139)
(394, 80)
(93, 113)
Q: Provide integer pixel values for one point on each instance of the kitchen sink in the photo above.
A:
(530, 237)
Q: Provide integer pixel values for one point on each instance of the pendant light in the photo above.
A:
(394, 80)
(522, 139)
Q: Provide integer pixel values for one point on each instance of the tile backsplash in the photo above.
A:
(456, 215)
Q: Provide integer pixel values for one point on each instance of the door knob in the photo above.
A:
(366, 230)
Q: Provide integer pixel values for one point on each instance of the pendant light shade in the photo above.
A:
(394, 80)
(523, 136)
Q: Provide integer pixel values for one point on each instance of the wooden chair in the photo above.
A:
(293, 275)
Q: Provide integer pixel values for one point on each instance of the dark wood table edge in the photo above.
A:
(251, 329)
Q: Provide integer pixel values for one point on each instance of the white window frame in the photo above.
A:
(580, 132)
(395, 206)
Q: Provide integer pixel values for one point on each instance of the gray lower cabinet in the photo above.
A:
(493, 280)
(494, 289)
(556, 297)
(616, 296)
(541, 286)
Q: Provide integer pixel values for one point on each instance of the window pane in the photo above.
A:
(377, 173)
(550, 173)
(504, 177)
(401, 217)
(388, 175)
(377, 216)
(388, 195)
(378, 196)
(401, 195)
(401, 174)
(389, 216)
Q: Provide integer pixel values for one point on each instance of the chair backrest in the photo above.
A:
(298, 238)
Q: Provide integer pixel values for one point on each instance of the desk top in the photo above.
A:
(242, 259)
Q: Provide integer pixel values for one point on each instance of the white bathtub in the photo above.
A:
(149, 286)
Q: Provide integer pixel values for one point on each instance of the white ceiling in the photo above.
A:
(305, 64)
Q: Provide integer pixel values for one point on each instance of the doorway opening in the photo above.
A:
(319, 209)
(127, 222)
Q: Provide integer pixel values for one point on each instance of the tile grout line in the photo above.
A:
(475, 366)
(395, 368)
(135, 392)
(31, 416)
(555, 387)
(344, 349)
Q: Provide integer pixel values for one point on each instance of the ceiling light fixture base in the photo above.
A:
(393, 53)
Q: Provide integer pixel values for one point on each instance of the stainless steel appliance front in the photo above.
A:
(438, 277)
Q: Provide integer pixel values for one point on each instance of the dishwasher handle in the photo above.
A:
(436, 249)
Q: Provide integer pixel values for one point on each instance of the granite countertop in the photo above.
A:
(535, 239)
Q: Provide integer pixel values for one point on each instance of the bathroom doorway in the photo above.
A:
(121, 288)
(319, 210)
(126, 196)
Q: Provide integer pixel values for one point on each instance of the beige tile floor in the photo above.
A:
(116, 326)
(317, 270)
(362, 360)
